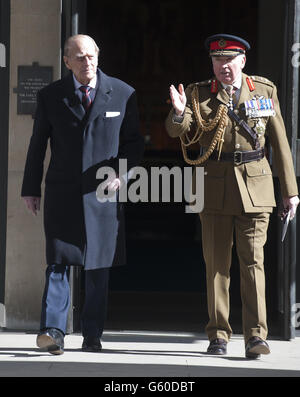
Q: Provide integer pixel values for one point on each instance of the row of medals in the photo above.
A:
(255, 115)
(255, 112)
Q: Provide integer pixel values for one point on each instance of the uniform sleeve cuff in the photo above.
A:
(178, 119)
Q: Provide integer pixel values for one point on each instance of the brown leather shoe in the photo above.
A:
(51, 340)
(218, 347)
(255, 347)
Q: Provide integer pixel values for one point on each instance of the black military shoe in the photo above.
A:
(218, 347)
(51, 340)
(91, 344)
(255, 347)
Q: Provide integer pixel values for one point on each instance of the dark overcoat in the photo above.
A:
(79, 229)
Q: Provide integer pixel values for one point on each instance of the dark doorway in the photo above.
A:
(151, 44)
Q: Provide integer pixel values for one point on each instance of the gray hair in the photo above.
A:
(70, 41)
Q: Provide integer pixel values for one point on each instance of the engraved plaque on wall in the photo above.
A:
(30, 80)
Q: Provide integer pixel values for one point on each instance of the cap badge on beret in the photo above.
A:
(222, 43)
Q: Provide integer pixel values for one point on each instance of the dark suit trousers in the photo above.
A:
(56, 300)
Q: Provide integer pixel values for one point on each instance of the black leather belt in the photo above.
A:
(239, 157)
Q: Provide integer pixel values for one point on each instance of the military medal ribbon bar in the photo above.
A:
(260, 108)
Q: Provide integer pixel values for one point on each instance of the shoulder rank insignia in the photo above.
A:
(214, 86)
(250, 84)
(262, 80)
(203, 83)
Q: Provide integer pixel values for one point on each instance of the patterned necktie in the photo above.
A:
(231, 91)
(86, 99)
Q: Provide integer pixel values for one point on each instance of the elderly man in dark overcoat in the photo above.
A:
(91, 121)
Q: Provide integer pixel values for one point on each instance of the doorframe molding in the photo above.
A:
(4, 117)
(287, 251)
(73, 21)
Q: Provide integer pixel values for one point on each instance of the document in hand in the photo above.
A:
(285, 225)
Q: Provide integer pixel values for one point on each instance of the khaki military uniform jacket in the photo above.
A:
(230, 188)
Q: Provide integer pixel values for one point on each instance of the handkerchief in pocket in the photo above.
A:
(112, 114)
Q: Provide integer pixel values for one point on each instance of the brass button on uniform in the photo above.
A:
(237, 146)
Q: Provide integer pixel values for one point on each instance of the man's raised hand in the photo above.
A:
(178, 99)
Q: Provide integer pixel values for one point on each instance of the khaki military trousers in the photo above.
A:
(217, 239)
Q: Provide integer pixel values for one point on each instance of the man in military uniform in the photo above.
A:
(230, 116)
